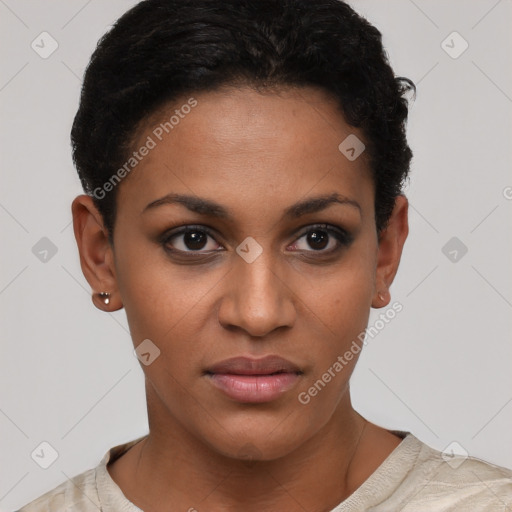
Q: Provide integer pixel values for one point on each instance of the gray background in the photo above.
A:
(441, 368)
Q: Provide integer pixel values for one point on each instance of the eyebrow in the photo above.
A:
(204, 206)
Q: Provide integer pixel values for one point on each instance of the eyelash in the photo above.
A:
(343, 238)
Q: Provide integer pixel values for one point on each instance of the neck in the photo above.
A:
(204, 479)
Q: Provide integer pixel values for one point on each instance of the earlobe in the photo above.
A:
(103, 301)
(391, 243)
(96, 259)
(381, 299)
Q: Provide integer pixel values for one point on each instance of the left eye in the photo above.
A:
(321, 239)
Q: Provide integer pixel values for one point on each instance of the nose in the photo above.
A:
(257, 298)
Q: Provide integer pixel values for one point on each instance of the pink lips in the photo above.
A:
(249, 380)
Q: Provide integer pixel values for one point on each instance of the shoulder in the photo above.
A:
(88, 491)
(474, 482)
(79, 492)
(441, 482)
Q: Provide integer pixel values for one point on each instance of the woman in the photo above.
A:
(243, 164)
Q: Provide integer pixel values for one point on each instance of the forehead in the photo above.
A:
(239, 142)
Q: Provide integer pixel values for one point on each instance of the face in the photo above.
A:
(246, 233)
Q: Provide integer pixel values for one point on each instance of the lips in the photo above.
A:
(250, 380)
(248, 366)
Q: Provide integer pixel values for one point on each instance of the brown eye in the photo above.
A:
(190, 239)
(323, 239)
(195, 240)
(318, 239)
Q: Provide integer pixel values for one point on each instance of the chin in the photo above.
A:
(253, 437)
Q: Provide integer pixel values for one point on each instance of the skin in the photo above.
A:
(255, 153)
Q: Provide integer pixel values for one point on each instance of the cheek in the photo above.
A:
(342, 305)
(344, 318)
(157, 296)
(344, 300)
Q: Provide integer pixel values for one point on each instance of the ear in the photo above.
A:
(96, 253)
(391, 243)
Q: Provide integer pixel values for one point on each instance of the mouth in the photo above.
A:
(249, 380)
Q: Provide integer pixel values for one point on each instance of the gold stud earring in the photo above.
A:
(381, 297)
(105, 297)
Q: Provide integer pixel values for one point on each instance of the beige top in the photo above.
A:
(413, 478)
